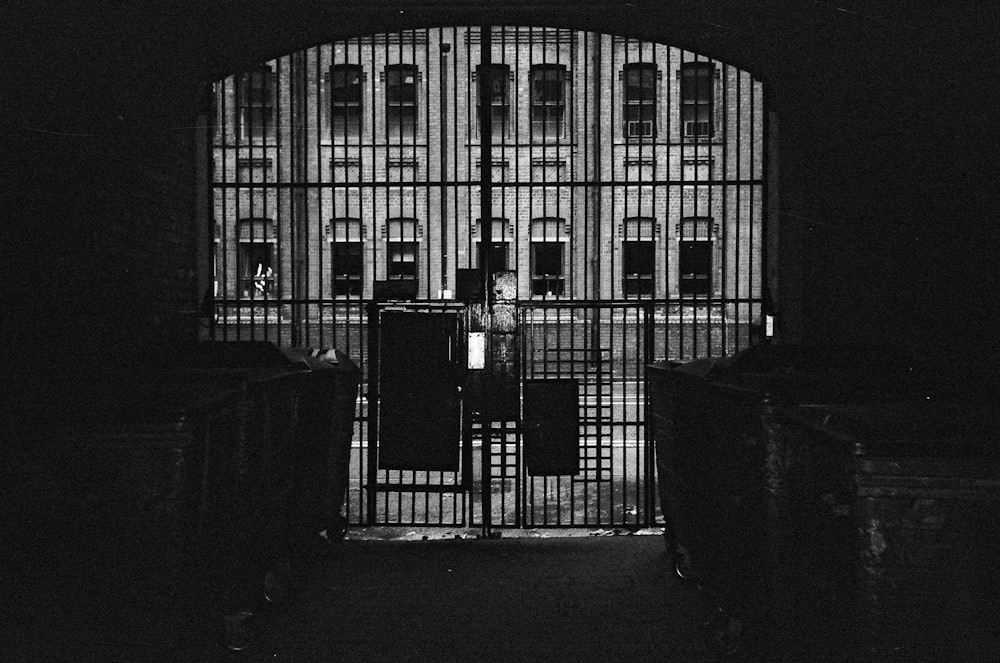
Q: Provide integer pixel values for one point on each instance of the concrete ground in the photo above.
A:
(540, 596)
(537, 598)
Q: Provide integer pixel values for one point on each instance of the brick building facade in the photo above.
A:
(621, 169)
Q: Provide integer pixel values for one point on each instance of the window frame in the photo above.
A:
(249, 277)
(547, 278)
(642, 278)
(685, 245)
(546, 106)
(348, 107)
(497, 71)
(354, 281)
(698, 105)
(247, 107)
(395, 105)
(644, 106)
(392, 265)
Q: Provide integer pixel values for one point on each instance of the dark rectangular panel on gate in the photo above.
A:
(551, 427)
(419, 422)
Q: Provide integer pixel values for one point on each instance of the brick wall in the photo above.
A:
(102, 242)
(592, 148)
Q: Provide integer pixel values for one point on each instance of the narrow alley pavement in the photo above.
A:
(612, 598)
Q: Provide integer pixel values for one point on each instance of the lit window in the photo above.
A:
(256, 268)
(255, 95)
(697, 99)
(255, 263)
(345, 100)
(494, 92)
(401, 100)
(638, 268)
(640, 100)
(548, 100)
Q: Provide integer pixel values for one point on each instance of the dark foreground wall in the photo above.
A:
(884, 229)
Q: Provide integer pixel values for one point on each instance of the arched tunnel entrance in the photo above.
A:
(502, 315)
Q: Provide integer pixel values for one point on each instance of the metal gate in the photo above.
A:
(616, 185)
(578, 369)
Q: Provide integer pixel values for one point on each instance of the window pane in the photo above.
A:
(548, 258)
(402, 260)
(345, 83)
(697, 120)
(255, 87)
(697, 82)
(346, 121)
(256, 269)
(494, 85)
(638, 267)
(547, 84)
(347, 268)
(498, 255)
(401, 84)
(695, 268)
(547, 268)
(640, 82)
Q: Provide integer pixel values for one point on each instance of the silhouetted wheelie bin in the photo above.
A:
(214, 473)
(830, 505)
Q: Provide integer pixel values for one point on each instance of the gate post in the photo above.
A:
(648, 452)
(372, 396)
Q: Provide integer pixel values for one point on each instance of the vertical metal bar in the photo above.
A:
(485, 216)
(649, 466)
(443, 128)
(738, 215)
(373, 408)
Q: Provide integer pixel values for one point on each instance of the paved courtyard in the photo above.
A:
(577, 598)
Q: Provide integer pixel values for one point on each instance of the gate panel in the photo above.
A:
(415, 460)
(603, 347)
(419, 408)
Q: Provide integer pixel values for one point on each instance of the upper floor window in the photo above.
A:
(697, 99)
(548, 101)
(640, 100)
(255, 98)
(494, 96)
(345, 100)
(401, 100)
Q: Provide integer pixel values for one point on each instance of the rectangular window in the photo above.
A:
(498, 252)
(638, 266)
(494, 96)
(640, 100)
(256, 269)
(547, 272)
(345, 100)
(348, 267)
(697, 99)
(695, 268)
(402, 265)
(401, 100)
(255, 98)
(548, 101)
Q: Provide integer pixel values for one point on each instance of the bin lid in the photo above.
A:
(909, 429)
(850, 374)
